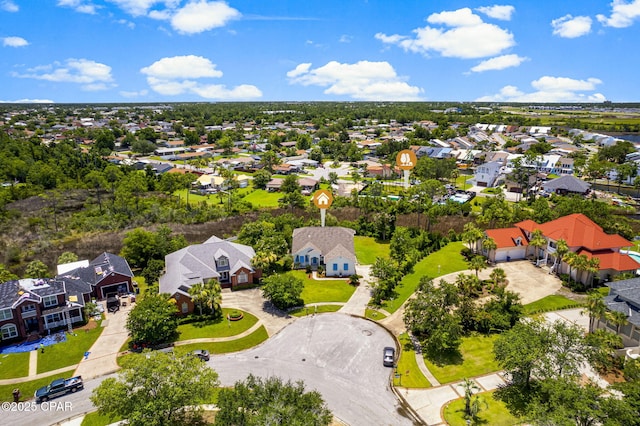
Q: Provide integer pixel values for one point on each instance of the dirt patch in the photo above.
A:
(88, 326)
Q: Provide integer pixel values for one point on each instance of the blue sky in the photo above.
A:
(293, 50)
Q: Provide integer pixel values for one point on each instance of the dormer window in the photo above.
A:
(223, 261)
(518, 241)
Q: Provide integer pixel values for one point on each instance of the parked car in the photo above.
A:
(58, 388)
(203, 354)
(388, 356)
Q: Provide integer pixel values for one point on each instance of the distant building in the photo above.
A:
(331, 247)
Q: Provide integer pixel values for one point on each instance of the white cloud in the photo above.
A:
(14, 42)
(80, 6)
(363, 80)
(199, 16)
(622, 14)
(571, 27)
(9, 6)
(499, 63)
(28, 101)
(459, 41)
(179, 75)
(141, 7)
(126, 23)
(550, 89)
(90, 74)
(498, 12)
(345, 38)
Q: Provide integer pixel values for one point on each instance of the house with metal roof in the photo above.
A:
(331, 247)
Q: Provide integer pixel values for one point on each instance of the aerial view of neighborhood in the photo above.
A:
(320, 263)
(319, 213)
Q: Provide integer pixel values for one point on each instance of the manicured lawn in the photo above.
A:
(368, 249)
(494, 413)
(319, 291)
(195, 199)
(550, 303)
(374, 315)
(14, 365)
(408, 364)
(442, 262)
(317, 309)
(28, 388)
(96, 419)
(219, 327)
(254, 339)
(69, 352)
(263, 198)
(475, 359)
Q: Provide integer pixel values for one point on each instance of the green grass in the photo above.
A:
(494, 413)
(408, 363)
(475, 359)
(217, 328)
(368, 249)
(263, 198)
(374, 314)
(497, 190)
(96, 419)
(254, 339)
(320, 291)
(195, 199)
(442, 262)
(14, 365)
(550, 303)
(310, 310)
(28, 388)
(67, 353)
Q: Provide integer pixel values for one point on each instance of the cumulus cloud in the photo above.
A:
(571, 27)
(460, 40)
(141, 7)
(90, 74)
(81, 6)
(498, 12)
(14, 42)
(622, 14)
(9, 6)
(551, 89)
(499, 63)
(196, 17)
(179, 75)
(363, 80)
(28, 101)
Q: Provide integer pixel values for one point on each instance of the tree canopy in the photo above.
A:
(153, 320)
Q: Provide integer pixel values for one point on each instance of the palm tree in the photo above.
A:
(592, 268)
(571, 258)
(488, 245)
(477, 263)
(580, 264)
(198, 295)
(470, 235)
(498, 277)
(537, 242)
(619, 319)
(213, 295)
(561, 251)
(595, 308)
(469, 386)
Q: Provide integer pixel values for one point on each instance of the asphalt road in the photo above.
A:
(336, 354)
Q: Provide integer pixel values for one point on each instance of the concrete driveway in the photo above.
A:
(336, 354)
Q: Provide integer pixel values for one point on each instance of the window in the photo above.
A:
(50, 301)
(242, 278)
(28, 308)
(335, 266)
(345, 267)
(5, 314)
(55, 317)
(223, 261)
(8, 331)
(185, 307)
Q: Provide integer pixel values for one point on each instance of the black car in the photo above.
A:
(203, 354)
(388, 356)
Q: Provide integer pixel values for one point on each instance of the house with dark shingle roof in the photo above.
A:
(567, 185)
(331, 247)
(227, 262)
(107, 275)
(624, 296)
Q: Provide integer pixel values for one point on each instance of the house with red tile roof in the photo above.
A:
(582, 235)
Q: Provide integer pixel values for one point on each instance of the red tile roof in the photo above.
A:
(578, 231)
(613, 260)
(506, 237)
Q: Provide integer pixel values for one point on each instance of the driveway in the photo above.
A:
(336, 354)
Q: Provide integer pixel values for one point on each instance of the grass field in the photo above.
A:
(317, 309)
(411, 376)
(444, 261)
(28, 388)
(374, 314)
(475, 359)
(368, 249)
(68, 353)
(262, 198)
(14, 365)
(492, 412)
(550, 303)
(219, 327)
(320, 291)
(254, 339)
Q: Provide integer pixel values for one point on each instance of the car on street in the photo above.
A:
(203, 354)
(388, 356)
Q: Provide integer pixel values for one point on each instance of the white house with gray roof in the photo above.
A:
(331, 247)
(624, 296)
(227, 262)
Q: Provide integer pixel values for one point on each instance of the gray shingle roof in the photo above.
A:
(326, 239)
(567, 183)
(12, 292)
(624, 296)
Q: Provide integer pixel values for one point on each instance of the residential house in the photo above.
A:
(35, 306)
(308, 185)
(275, 184)
(583, 237)
(227, 262)
(331, 247)
(487, 174)
(106, 275)
(624, 296)
(567, 185)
